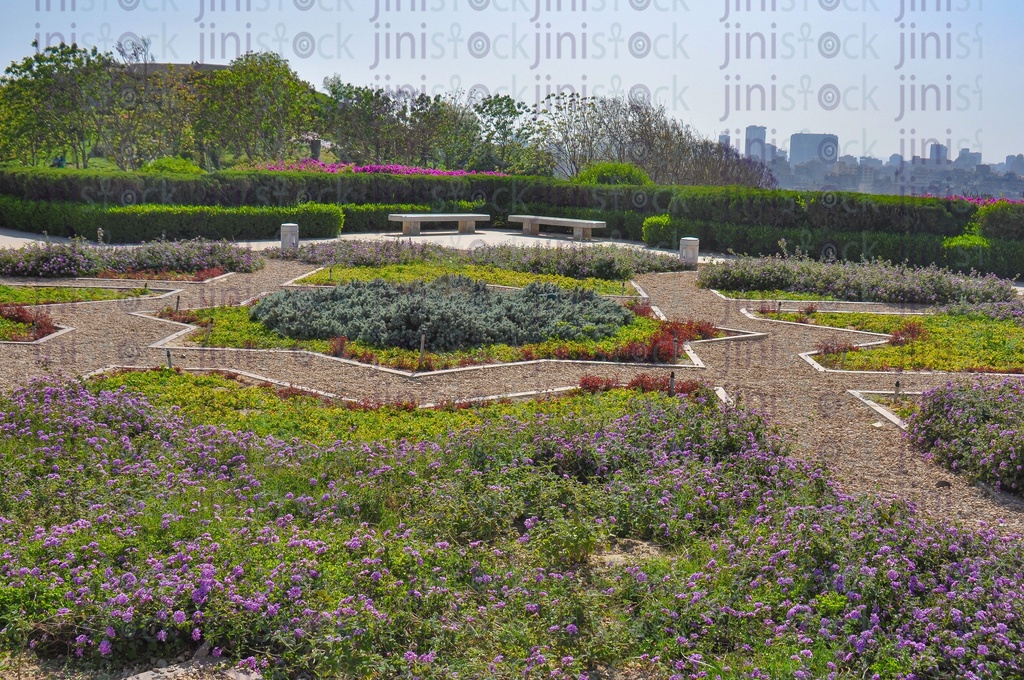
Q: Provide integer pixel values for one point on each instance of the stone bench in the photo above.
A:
(411, 221)
(581, 229)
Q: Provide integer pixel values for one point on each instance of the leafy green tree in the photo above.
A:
(366, 122)
(148, 113)
(513, 140)
(254, 107)
(53, 101)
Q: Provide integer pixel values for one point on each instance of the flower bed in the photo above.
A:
(863, 281)
(47, 295)
(575, 262)
(132, 531)
(938, 342)
(638, 339)
(169, 258)
(22, 324)
(975, 429)
(428, 271)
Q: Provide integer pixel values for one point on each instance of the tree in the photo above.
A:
(573, 131)
(53, 101)
(254, 107)
(365, 123)
(512, 139)
(148, 111)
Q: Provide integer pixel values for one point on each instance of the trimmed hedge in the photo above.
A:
(840, 211)
(1001, 220)
(1002, 257)
(136, 223)
(831, 210)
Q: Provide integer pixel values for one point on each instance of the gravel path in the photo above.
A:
(822, 420)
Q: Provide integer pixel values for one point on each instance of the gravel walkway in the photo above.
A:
(822, 420)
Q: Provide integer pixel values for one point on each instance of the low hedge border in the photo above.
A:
(137, 223)
(1002, 257)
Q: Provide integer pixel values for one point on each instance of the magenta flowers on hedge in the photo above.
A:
(311, 165)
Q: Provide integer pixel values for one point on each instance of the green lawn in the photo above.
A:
(428, 271)
(43, 295)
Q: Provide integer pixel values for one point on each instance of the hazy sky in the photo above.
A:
(887, 76)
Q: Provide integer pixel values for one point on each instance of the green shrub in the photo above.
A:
(609, 172)
(664, 231)
(1002, 220)
(452, 312)
(136, 223)
(174, 165)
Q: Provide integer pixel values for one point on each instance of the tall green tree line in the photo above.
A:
(66, 102)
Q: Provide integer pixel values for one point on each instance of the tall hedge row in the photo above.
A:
(830, 210)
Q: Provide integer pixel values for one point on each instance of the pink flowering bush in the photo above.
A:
(311, 165)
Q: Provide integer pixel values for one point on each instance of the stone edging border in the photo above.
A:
(215, 279)
(878, 408)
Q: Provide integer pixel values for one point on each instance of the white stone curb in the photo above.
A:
(878, 408)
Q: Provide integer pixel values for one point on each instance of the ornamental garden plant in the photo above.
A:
(458, 322)
(802, 278)
(480, 548)
(196, 259)
(975, 429)
(571, 261)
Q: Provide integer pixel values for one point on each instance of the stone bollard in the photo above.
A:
(289, 236)
(688, 248)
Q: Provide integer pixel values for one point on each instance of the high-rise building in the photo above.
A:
(938, 154)
(808, 148)
(754, 142)
(725, 140)
(967, 160)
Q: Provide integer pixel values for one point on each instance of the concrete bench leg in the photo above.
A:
(581, 233)
(410, 228)
(531, 229)
(466, 227)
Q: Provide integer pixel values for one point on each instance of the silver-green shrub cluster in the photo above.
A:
(451, 312)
